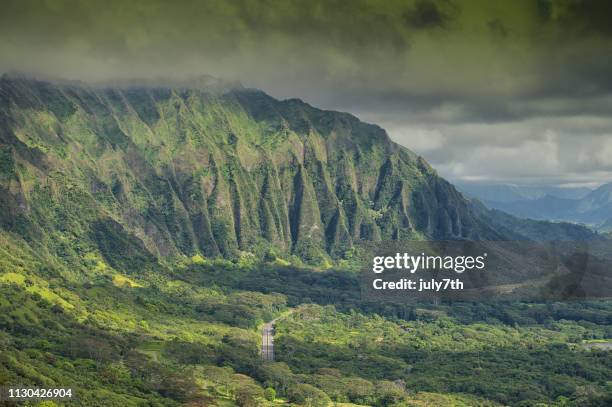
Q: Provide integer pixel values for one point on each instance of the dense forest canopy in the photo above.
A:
(146, 234)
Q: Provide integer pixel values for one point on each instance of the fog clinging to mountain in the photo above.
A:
(515, 92)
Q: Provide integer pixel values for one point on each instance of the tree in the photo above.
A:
(180, 386)
(389, 393)
(277, 375)
(308, 395)
(358, 389)
(248, 395)
(270, 394)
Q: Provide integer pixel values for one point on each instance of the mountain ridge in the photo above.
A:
(510, 192)
(218, 172)
(593, 209)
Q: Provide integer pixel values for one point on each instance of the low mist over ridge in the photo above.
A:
(474, 87)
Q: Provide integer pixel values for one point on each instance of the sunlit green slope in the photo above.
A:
(213, 170)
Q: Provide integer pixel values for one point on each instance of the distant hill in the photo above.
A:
(513, 193)
(593, 208)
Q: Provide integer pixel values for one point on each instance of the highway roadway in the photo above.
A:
(267, 342)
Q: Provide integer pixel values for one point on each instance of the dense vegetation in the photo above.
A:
(187, 333)
(146, 234)
(217, 170)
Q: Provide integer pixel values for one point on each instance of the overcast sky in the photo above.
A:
(500, 91)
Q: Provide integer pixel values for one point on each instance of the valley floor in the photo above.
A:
(190, 334)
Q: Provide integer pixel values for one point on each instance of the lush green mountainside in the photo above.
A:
(212, 170)
(99, 185)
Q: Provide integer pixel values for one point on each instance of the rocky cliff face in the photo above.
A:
(213, 170)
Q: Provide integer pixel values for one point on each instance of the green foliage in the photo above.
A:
(270, 394)
(350, 356)
(198, 259)
(6, 161)
(396, 354)
(111, 198)
(248, 395)
(308, 396)
(182, 172)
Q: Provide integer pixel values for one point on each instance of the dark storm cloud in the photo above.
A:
(426, 14)
(498, 28)
(578, 16)
(448, 78)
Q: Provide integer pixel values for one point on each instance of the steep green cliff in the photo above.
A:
(209, 169)
(103, 191)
